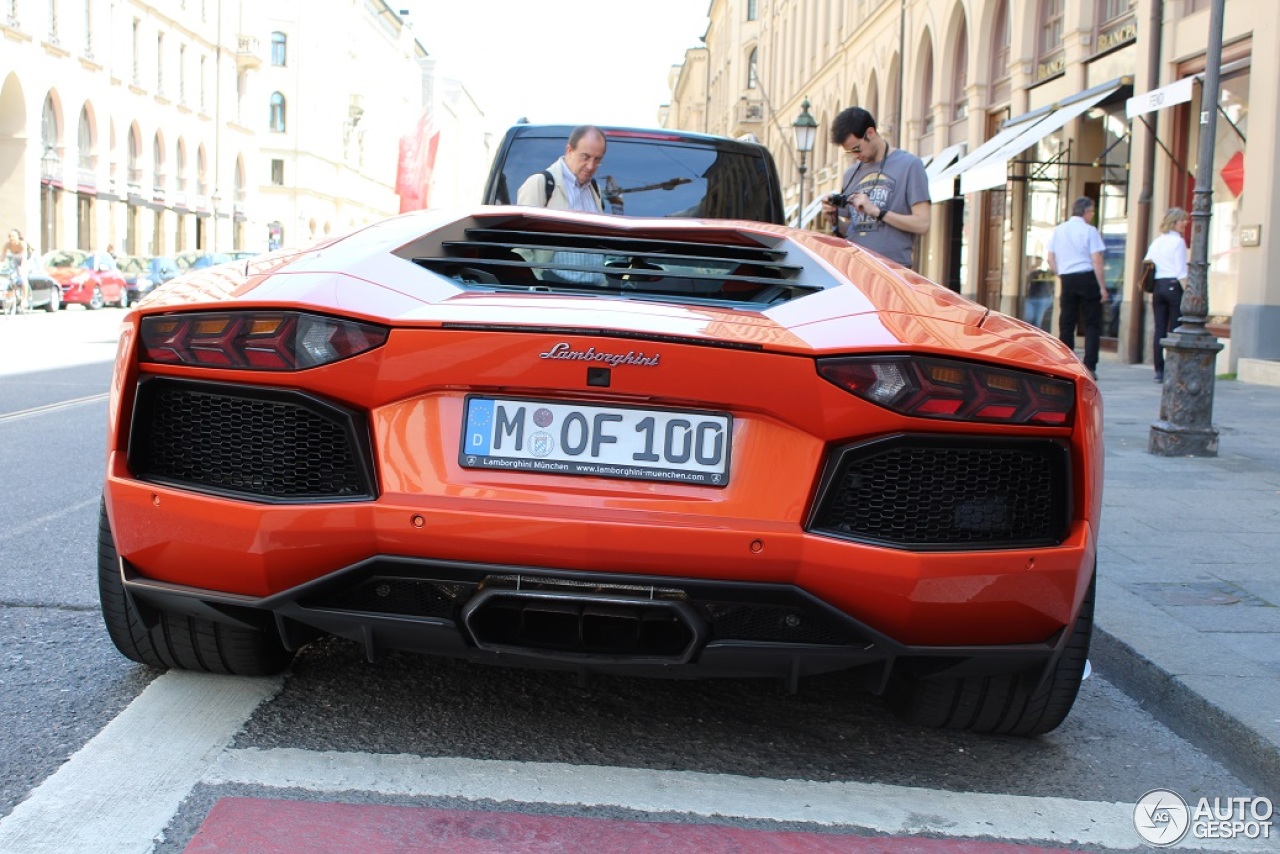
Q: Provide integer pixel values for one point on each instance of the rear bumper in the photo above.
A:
(657, 626)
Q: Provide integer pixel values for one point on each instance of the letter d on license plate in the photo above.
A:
(676, 446)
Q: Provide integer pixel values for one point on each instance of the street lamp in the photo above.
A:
(806, 129)
(48, 169)
(1185, 427)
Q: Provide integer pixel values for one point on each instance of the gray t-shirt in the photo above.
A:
(894, 185)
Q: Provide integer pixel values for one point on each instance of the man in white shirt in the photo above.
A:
(1075, 254)
(569, 185)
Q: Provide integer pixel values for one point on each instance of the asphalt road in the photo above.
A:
(515, 738)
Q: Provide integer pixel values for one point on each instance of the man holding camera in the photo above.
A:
(884, 199)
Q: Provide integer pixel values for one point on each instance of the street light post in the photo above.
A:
(1185, 427)
(48, 168)
(806, 128)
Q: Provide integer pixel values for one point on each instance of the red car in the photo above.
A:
(649, 446)
(90, 279)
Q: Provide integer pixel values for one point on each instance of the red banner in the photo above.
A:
(417, 162)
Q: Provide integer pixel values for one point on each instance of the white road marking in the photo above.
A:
(124, 786)
(52, 407)
(120, 791)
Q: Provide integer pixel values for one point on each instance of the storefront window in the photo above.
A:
(1113, 207)
(1228, 190)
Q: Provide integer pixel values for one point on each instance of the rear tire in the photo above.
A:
(96, 301)
(1006, 704)
(55, 301)
(177, 640)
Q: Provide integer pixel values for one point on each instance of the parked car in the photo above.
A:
(46, 293)
(91, 279)
(652, 173)
(142, 275)
(199, 260)
(748, 450)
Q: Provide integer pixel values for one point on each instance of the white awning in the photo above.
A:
(945, 158)
(811, 210)
(993, 170)
(1178, 92)
(940, 164)
(943, 186)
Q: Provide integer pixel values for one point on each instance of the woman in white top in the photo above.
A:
(1169, 253)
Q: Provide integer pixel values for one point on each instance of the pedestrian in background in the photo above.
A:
(569, 184)
(1039, 302)
(1075, 255)
(1169, 253)
(17, 254)
(885, 193)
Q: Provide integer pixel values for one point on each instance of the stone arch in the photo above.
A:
(14, 204)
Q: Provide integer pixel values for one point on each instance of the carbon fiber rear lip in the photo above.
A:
(378, 633)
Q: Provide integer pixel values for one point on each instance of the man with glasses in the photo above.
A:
(569, 184)
(883, 203)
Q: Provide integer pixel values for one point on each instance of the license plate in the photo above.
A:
(675, 446)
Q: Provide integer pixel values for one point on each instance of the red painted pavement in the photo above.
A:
(263, 826)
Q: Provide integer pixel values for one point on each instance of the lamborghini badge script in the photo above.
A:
(591, 354)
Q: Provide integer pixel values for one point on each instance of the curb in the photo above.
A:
(1243, 750)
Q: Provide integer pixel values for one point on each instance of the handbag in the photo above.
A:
(1147, 278)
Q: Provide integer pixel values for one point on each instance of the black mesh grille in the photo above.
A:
(948, 493)
(269, 444)
(409, 597)
(748, 621)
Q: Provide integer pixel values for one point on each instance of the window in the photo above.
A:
(137, 59)
(182, 74)
(88, 28)
(926, 94)
(277, 173)
(960, 80)
(202, 82)
(1110, 10)
(53, 22)
(278, 47)
(752, 11)
(159, 63)
(753, 69)
(1000, 54)
(276, 120)
(1050, 58)
(157, 156)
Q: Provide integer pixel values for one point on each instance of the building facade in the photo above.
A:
(1018, 107)
(208, 125)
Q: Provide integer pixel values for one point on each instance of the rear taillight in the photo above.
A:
(255, 340)
(928, 387)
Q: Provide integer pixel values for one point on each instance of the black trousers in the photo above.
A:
(1081, 301)
(1166, 305)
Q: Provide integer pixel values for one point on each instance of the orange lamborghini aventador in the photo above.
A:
(656, 447)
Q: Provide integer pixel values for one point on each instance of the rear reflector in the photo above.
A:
(930, 387)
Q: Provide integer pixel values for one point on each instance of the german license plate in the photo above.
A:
(677, 446)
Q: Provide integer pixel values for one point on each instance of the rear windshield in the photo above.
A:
(656, 178)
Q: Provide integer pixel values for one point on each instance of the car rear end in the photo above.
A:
(751, 452)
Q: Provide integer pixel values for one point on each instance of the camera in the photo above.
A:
(839, 200)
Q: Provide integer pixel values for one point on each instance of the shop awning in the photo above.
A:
(811, 210)
(993, 171)
(945, 158)
(987, 165)
(1177, 92)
